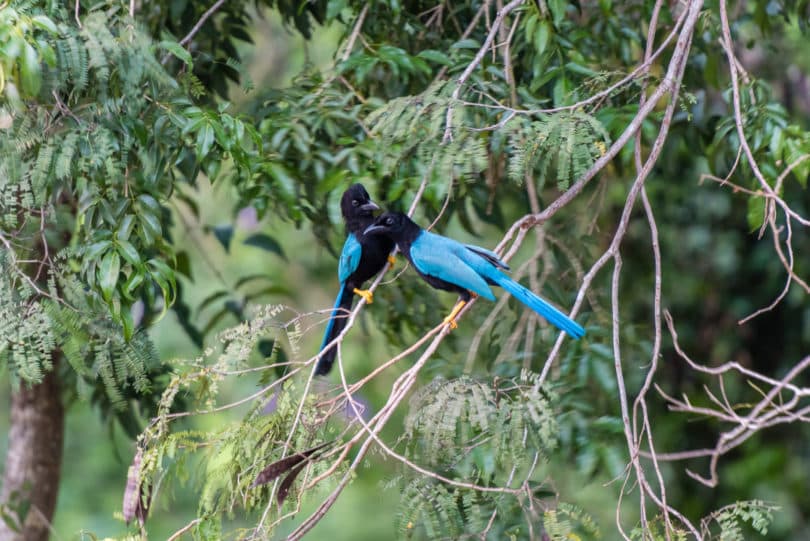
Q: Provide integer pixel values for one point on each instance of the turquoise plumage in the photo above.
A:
(467, 269)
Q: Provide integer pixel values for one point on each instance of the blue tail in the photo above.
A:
(554, 316)
(337, 322)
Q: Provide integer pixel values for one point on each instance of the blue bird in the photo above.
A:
(468, 270)
(362, 257)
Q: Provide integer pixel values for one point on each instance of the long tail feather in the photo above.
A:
(554, 316)
(337, 322)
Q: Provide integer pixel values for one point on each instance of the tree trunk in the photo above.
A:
(33, 462)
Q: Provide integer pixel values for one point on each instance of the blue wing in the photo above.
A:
(470, 267)
(444, 258)
(554, 316)
(491, 256)
(349, 257)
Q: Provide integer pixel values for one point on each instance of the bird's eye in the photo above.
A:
(389, 221)
(355, 202)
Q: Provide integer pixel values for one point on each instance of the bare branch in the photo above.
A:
(508, 8)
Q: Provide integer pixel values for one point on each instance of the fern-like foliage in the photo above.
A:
(728, 523)
(26, 338)
(433, 511)
(560, 146)
(567, 522)
(658, 530)
(447, 417)
(411, 133)
(231, 454)
(99, 148)
(88, 161)
(96, 349)
(67, 324)
(413, 128)
(483, 434)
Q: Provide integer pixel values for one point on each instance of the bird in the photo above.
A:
(362, 257)
(466, 269)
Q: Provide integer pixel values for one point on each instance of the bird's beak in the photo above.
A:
(371, 206)
(373, 229)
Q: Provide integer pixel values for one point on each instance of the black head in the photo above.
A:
(394, 225)
(356, 203)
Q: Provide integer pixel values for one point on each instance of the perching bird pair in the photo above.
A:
(442, 262)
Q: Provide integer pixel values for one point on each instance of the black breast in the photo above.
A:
(372, 257)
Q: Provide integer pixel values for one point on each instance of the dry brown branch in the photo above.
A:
(464, 35)
(640, 402)
(398, 393)
(778, 400)
(670, 85)
(761, 414)
(14, 265)
(638, 72)
(507, 9)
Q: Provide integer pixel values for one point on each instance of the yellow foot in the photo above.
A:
(451, 321)
(366, 294)
(392, 260)
(451, 317)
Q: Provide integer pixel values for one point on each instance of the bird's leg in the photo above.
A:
(366, 294)
(392, 260)
(451, 317)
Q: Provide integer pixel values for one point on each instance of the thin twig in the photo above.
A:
(196, 28)
(448, 133)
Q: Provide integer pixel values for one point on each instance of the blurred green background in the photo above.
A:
(715, 272)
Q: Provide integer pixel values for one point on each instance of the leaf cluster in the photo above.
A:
(478, 433)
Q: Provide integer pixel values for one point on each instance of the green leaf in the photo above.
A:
(333, 8)
(125, 228)
(557, 8)
(132, 284)
(128, 252)
(224, 234)
(602, 351)
(205, 139)
(542, 36)
(9, 520)
(179, 51)
(47, 54)
(108, 274)
(163, 276)
(149, 203)
(30, 75)
(580, 69)
(756, 212)
(211, 299)
(183, 264)
(96, 249)
(150, 226)
(282, 176)
(435, 56)
(44, 23)
(265, 242)
(127, 322)
(466, 44)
